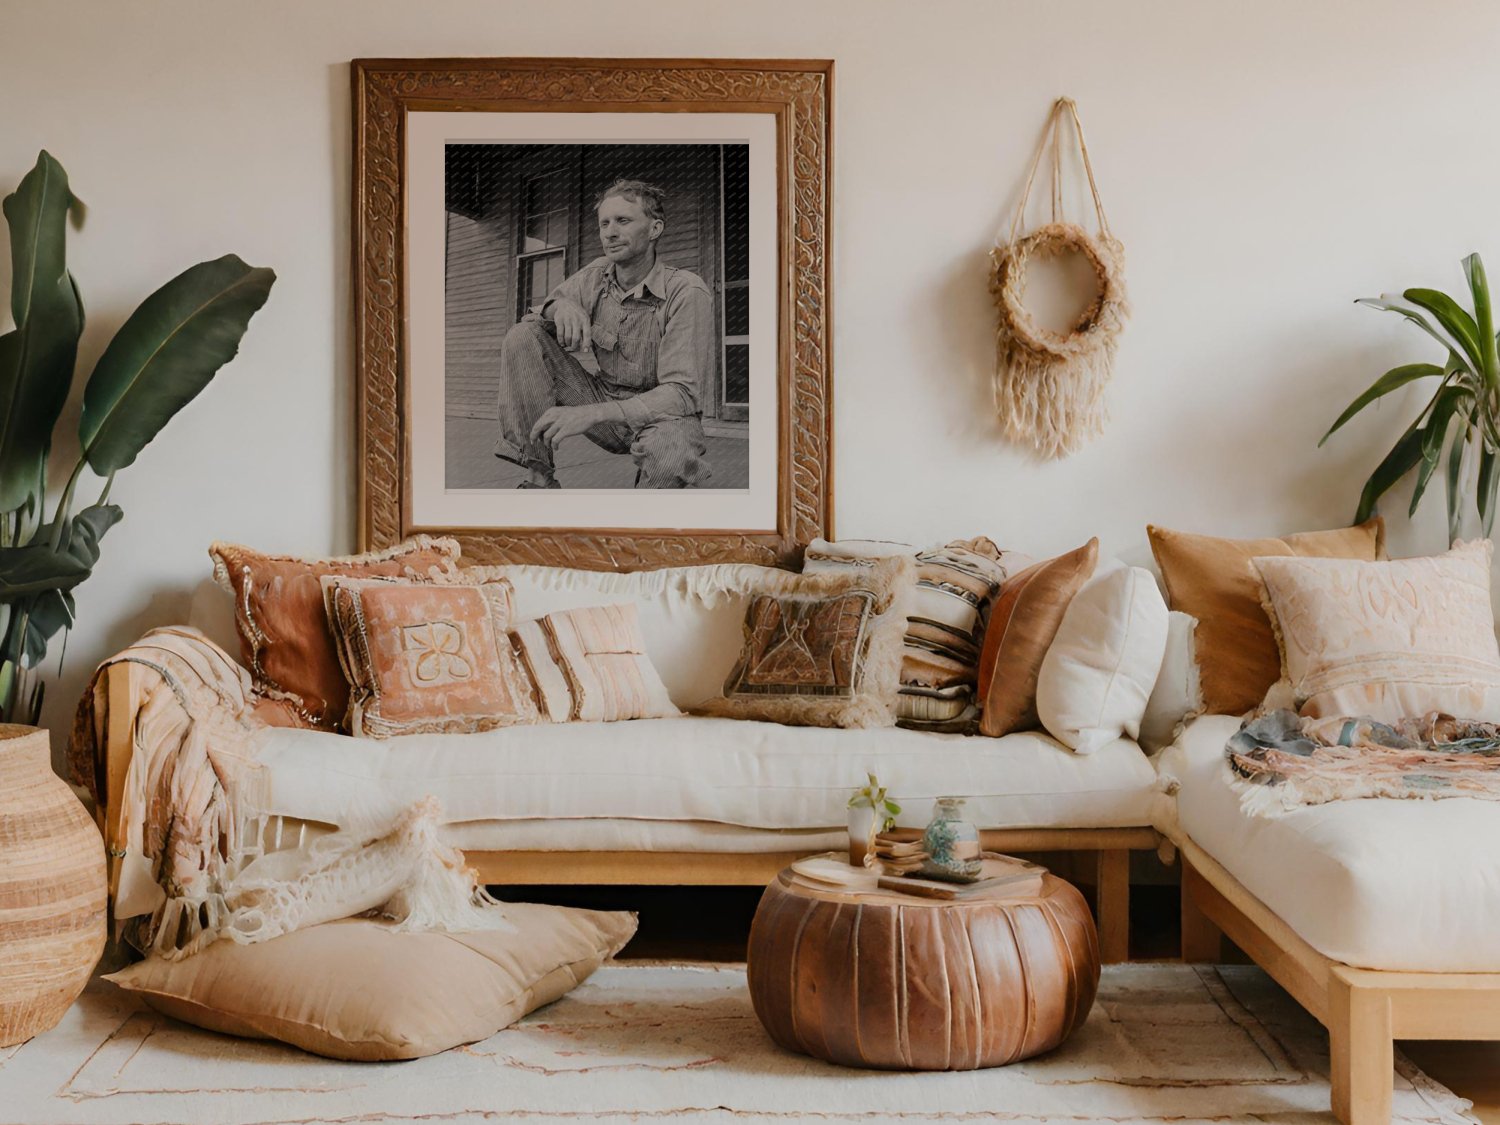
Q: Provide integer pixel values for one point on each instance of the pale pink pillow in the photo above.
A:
(1390, 640)
(590, 665)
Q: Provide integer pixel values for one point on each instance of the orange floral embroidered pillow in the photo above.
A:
(427, 657)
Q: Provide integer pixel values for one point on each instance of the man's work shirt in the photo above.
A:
(654, 344)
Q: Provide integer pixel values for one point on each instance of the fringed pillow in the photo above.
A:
(823, 649)
(423, 657)
(285, 639)
(955, 587)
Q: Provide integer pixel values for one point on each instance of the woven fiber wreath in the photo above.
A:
(1049, 386)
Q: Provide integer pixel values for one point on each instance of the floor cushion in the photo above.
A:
(355, 989)
(1376, 883)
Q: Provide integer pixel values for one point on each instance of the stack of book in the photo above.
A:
(899, 857)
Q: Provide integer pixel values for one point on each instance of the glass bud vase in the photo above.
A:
(951, 843)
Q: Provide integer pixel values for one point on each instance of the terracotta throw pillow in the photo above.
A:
(590, 665)
(356, 990)
(823, 649)
(1214, 580)
(427, 657)
(1026, 617)
(1388, 640)
(285, 639)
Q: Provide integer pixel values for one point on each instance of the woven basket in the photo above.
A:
(52, 889)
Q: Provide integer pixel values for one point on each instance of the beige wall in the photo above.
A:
(1264, 164)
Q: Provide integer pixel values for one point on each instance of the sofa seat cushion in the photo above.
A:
(1407, 885)
(730, 771)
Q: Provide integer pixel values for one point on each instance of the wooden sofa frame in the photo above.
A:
(1364, 1010)
(1111, 846)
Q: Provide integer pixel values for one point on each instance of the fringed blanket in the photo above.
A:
(193, 865)
(1281, 761)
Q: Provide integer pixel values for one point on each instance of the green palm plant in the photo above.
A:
(1457, 427)
(162, 356)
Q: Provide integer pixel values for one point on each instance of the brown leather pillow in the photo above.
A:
(285, 640)
(1214, 580)
(1023, 622)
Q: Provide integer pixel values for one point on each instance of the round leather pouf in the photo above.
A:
(889, 980)
(52, 889)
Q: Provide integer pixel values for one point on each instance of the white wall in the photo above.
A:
(1263, 163)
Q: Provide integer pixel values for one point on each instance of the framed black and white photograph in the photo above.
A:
(603, 305)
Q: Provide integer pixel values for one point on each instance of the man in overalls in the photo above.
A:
(651, 330)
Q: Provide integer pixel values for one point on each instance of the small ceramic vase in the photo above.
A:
(951, 843)
(861, 832)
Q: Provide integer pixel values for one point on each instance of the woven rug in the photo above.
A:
(647, 1042)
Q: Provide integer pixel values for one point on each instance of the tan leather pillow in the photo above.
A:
(1214, 580)
(427, 657)
(1023, 622)
(285, 640)
(356, 990)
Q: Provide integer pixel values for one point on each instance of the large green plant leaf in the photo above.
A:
(1402, 458)
(1394, 379)
(1455, 474)
(1488, 480)
(1484, 317)
(1455, 321)
(164, 355)
(35, 568)
(37, 356)
(1448, 402)
(1392, 302)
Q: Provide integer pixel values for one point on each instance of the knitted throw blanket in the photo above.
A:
(1280, 761)
(198, 860)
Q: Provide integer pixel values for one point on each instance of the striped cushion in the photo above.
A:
(955, 585)
(590, 665)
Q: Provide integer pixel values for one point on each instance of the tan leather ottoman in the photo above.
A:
(889, 980)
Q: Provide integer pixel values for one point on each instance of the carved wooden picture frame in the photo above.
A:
(405, 109)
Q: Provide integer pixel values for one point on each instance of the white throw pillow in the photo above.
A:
(1178, 694)
(1099, 672)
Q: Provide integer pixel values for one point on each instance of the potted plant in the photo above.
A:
(871, 811)
(1457, 427)
(162, 356)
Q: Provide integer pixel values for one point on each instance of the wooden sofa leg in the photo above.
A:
(1112, 885)
(1361, 1052)
(1202, 941)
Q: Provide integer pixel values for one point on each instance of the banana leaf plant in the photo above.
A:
(1457, 427)
(164, 354)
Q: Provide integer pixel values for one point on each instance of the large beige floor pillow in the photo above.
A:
(357, 990)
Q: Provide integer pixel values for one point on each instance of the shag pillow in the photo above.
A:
(823, 650)
(425, 657)
(1214, 580)
(1390, 640)
(956, 584)
(285, 640)
(357, 990)
(1100, 668)
(1026, 617)
(590, 665)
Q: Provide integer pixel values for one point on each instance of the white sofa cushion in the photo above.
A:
(1101, 665)
(1377, 883)
(731, 771)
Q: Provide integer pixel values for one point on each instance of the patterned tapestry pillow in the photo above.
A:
(1388, 640)
(1022, 626)
(590, 665)
(284, 634)
(1214, 580)
(956, 584)
(425, 657)
(823, 649)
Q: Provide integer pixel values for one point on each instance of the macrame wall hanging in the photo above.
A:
(1049, 386)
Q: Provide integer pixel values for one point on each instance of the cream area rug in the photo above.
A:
(644, 1042)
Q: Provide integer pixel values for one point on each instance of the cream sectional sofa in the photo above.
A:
(684, 800)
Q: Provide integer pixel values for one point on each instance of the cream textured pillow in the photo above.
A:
(590, 665)
(1390, 640)
(1177, 693)
(355, 990)
(1099, 671)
